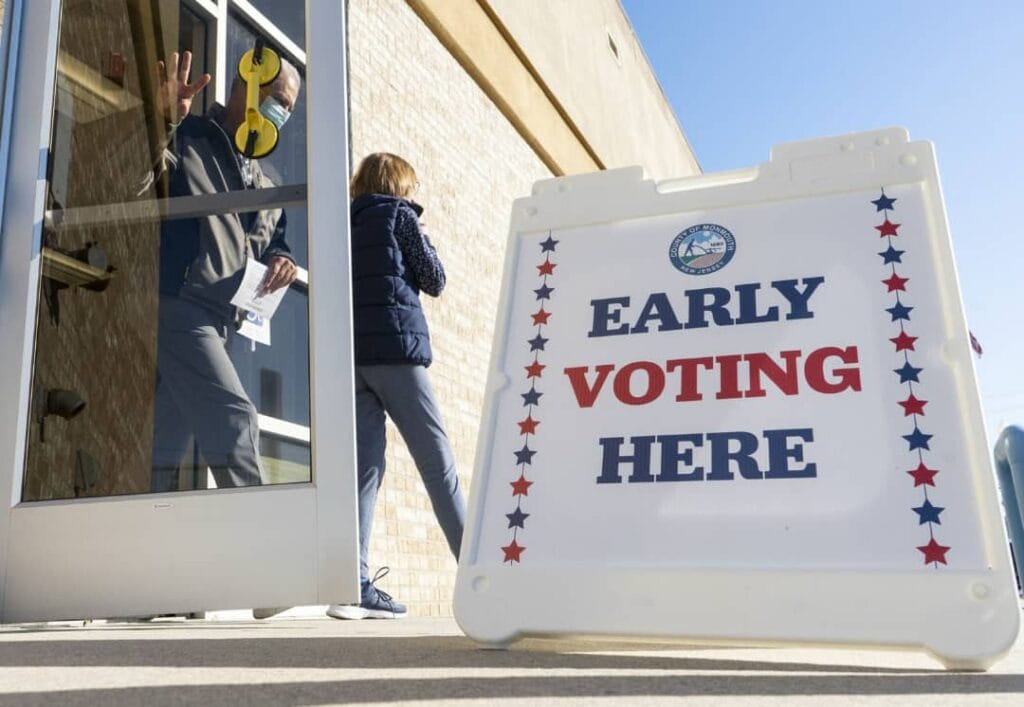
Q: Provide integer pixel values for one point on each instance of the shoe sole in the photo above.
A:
(356, 613)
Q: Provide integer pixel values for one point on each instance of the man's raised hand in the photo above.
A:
(176, 93)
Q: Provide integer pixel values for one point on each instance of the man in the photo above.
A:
(199, 395)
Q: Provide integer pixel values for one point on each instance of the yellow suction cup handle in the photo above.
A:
(264, 71)
(256, 138)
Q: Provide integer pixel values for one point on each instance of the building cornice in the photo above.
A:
(477, 39)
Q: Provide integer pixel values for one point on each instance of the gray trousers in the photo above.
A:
(403, 392)
(200, 398)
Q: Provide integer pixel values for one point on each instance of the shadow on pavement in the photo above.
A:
(537, 687)
(684, 675)
(380, 652)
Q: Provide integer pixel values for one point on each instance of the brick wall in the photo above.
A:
(409, 96)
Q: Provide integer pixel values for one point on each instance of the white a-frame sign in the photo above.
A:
(739, 407)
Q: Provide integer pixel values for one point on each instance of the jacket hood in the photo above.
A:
(367, 200)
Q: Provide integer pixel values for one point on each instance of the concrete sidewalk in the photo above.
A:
(427, 661)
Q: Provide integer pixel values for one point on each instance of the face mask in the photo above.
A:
(274, 112)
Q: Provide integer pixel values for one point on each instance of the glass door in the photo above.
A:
(164, 324)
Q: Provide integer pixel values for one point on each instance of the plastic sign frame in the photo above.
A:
(785, 344)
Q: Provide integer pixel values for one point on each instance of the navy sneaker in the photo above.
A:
(375, 604)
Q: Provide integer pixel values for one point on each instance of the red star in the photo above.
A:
(887, 229)
(913, 406)
(534, 369)
(896, 283)
(541, 317)
(933, 552)
(904, 342)
(513, 551)
(548, 268)
(528, 426)
(923, 476)
(521, 487)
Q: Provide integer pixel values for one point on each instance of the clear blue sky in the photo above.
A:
(743, 75)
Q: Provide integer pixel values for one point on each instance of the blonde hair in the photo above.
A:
(383, 173)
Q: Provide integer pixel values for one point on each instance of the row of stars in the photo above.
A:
(927, 513)
(531, 399)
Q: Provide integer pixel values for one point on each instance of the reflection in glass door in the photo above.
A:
(151, 372)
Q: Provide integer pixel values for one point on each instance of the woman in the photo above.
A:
(392, 262)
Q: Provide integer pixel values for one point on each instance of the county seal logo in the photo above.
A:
(702, 249)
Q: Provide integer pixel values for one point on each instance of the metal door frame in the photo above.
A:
(310, 555)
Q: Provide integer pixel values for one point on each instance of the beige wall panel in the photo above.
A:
(410, 96)
(616, 102)
(470, 34)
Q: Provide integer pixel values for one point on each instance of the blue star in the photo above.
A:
(531, 398)
(537, 343)
(524, 455)
(544, 292)
(928, 513)
(891, 255)
(883, 203)
(516, 518)
(548, 245)
(907, 373)
(917, 440)
(900, 311)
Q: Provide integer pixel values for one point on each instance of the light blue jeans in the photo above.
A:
(403, 392)
(1009, 458)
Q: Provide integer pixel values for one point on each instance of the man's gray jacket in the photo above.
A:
(202, 259)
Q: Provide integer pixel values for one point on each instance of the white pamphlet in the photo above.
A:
(249, 295)
(256, 327)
